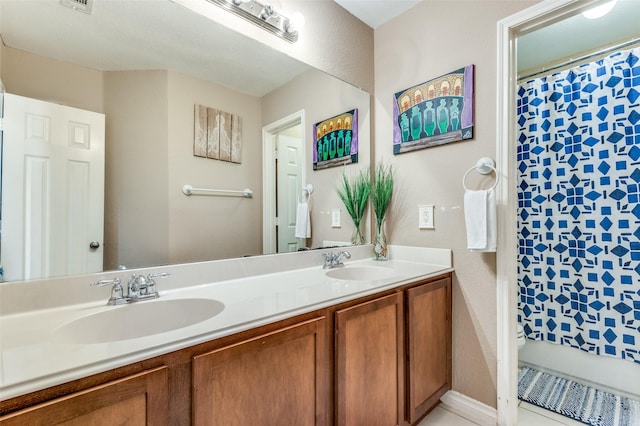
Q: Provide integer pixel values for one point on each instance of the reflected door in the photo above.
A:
(289, 186)
(52, 189)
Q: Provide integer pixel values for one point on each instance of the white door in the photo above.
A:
(52, 189)
(289, 186)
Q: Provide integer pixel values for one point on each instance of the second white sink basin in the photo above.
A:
(138, 319)
(360, 273)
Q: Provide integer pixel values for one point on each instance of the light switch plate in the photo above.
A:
(425, 217)
(335, 218)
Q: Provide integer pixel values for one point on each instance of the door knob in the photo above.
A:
(94, 245)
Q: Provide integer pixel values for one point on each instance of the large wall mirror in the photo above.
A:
(145, 65)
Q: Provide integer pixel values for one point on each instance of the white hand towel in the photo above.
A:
(480, 218)
(303, 221)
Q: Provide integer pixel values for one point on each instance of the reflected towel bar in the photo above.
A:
(189, 190)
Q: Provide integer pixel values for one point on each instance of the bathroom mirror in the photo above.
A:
(145, 65)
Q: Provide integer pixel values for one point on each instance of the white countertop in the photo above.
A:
(32, 358)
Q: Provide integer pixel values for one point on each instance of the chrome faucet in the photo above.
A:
(139, 288)
(334, 260)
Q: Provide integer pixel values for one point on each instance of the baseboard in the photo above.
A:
(469, 408)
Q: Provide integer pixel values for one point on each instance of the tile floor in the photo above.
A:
(528, 415)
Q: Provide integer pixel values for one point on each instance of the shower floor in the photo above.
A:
(577, 401)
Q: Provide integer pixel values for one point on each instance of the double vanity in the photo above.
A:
(257, 340)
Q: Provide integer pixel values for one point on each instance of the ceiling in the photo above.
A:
(552, 43)
(377, 12)
(145, 35)
(132, 35)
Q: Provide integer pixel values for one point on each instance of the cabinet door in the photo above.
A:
(369, 371)
(428, 320)
(141, 399)
(275, 379)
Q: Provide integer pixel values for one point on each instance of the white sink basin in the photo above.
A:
(360, 273)
(138, 319)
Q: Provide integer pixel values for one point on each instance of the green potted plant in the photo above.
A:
(354, 192)
(380, 199)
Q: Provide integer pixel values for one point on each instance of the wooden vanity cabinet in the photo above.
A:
(275, 379)
(136, 400)
(393, 355)
(368, 369)
(428, 346)
(382, 359)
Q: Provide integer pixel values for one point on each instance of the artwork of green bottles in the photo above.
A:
(336, 141)
(436, 112)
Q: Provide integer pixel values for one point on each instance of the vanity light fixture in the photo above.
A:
(263, 15)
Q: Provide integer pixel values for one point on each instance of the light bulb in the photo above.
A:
(599, 11)
(296, 22)
(275, 5)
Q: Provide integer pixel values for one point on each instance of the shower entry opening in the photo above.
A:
(578, 166)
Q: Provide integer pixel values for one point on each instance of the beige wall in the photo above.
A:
(206, 227)
(50, 80)
(136, 172)
(323, 96)
(432, 39)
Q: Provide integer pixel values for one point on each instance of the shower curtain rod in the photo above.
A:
(582, 58)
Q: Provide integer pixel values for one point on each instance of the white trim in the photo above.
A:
(469, 408)
(531, 19)
(269, 141)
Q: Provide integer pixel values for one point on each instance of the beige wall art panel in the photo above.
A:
(217, 134)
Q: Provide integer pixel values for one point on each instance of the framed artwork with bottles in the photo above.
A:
(435, 112)
(335, 140)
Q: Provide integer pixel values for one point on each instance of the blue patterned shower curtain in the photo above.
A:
(579, 206)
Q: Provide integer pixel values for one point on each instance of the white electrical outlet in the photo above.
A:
(335, 218)
(425, 217)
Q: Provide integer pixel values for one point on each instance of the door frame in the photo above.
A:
(538, 16)
(269, 143)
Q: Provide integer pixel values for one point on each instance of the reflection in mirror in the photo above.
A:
(121, 61)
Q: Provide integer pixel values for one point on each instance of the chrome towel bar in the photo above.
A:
(189, 190)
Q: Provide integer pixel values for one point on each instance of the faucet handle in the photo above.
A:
(339, 256)
(116, 290)
(328, 259)
(160, 275)
(151, 282)
(102, 283)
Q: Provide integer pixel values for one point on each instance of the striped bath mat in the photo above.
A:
(577, 401)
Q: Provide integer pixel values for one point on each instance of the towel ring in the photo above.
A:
(305, 194)
(484, 166)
